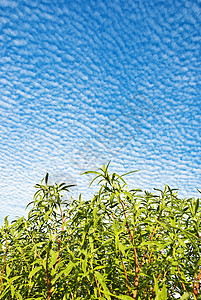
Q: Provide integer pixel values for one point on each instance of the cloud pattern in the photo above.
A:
(85, 82)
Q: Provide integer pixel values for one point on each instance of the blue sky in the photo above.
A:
(85, 82)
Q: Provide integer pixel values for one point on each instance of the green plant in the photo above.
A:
(121, 244)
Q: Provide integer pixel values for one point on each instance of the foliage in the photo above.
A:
(121, 244)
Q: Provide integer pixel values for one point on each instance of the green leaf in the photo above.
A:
(156, 284)
(185, 296)
(53, 259)
(196, 206)
(124, 297)
(198, 190)
(94, 180)
(130, 172)
(66, 271)
(101, 280)
(34, 271)
(90, 172)
(69, 267)
(19, 296)
(12, 291)
(65, 187)
(122, 248)
(6, 221)
(8, 270)
(46, 178)
(14, 278)
(163, 294)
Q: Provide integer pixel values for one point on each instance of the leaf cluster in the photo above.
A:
(121, 244)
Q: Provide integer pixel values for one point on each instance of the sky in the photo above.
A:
(86, 82)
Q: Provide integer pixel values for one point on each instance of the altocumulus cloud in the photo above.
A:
(82, 83)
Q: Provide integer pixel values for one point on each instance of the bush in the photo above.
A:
(121, 244)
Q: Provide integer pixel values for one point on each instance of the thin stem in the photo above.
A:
(97, 286)
(62, 218)
(173, 289)
(49, 289)
(59, 239)
(197, 285)
(145, 292)
(183, 285)
(151, 238)
(163, 279)
(127, 282)
(135, 255)
(60, 254)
